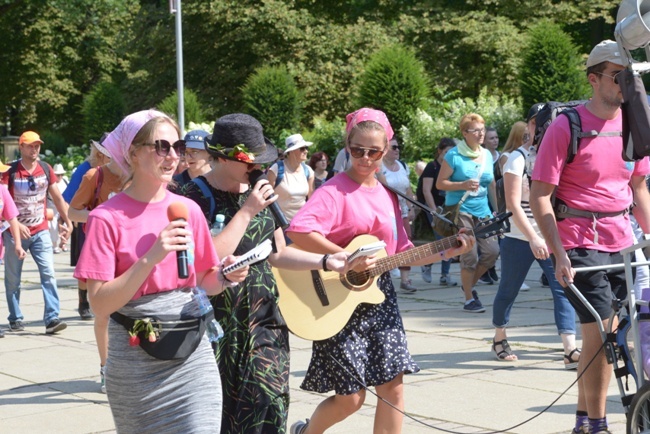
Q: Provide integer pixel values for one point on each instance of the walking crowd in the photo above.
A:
(139, 229)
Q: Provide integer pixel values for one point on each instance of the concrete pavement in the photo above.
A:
(51, 383)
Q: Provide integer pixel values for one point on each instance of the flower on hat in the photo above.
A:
(239, 152)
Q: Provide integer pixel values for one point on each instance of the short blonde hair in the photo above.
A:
(470, 118)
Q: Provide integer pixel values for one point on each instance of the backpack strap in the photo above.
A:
(46, 168)
(278, 179)
(402, 163)
(12, 175)
(306, 169)
(99, 180)
(576, 132)
(207, 193)
(523, 155)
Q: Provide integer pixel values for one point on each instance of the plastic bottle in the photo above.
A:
(214, 330)
(218, 225)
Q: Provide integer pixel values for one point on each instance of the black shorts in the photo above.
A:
(600, 288)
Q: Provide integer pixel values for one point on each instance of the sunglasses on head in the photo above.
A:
(31, 183)
(359, 152)
(163, 147)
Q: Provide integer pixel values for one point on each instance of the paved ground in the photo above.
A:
(50, 383)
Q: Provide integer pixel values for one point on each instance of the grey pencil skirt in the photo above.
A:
(148, 395)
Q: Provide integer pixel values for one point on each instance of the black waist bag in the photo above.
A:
(177, 337)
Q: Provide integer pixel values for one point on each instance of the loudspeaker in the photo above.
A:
(633, 24)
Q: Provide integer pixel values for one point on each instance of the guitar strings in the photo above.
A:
(421, 422)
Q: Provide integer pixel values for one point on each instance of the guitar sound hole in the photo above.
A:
(357, 279)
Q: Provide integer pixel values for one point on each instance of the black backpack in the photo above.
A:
(13, 167)
(552, 110)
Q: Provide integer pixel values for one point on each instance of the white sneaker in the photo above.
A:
(299, 427)
(524, 287)
(102, 378)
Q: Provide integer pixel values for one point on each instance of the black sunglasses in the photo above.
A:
(31, 183)
(395, 148)
(163, 147)
(359, 152)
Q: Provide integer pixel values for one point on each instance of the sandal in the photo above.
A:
(505, 352)
(569, 362)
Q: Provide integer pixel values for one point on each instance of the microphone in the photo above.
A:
(278, 215)
(178, 211)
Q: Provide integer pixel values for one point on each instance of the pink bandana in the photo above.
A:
(119, 140)
(368, 114)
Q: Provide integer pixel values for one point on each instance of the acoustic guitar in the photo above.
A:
(316, 304)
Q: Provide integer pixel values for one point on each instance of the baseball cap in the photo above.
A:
(29, 137)
(195, 139)
(606, 51)
(534, 109)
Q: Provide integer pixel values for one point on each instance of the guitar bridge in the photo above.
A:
(319, 287)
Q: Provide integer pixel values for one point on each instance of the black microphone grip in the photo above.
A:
(278, 215)
(181, 261)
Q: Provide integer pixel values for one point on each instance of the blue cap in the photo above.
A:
(195, 139)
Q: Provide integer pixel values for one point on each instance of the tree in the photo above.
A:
(103, 108)
(394, 82)
(271, 96)
(193, 109)
(553, 69)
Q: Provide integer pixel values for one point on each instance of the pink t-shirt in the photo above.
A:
(341, 210)
(122, 230)
(596, 180)
(7, 204)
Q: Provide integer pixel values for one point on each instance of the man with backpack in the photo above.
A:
(582, 209)
(29, 181)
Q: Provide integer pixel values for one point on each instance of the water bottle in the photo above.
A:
(214, 330)
(218, 225)
(530, 160)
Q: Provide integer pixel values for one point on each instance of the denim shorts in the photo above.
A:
(600, 288)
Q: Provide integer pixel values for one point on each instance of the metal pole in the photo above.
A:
(179, 68)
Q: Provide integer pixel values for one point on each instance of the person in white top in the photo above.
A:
(395, 174)
(519, 248)
(296, 178)
(60, 244)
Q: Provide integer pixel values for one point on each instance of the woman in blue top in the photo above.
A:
(466, 174)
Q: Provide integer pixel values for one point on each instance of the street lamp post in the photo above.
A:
(175, 8)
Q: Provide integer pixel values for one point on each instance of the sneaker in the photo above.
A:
(299, 427)
(54, 326)
(57, 250)
(543, 280)
(445, 279)
(473, 307)
(485, 278)
(102, 378)
(426, 273)
(408, 286)
(492, 272)
(524, 287)
(16, 326)
(584, 429)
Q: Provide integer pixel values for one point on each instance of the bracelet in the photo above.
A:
(223, 275)
(324, 261)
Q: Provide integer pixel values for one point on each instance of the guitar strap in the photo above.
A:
(418, 204)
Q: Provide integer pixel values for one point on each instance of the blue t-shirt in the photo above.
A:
(75, 181)
(465, 168)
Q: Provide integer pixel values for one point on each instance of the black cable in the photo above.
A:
(363, 385)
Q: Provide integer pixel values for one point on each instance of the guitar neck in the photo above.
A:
(414, 254)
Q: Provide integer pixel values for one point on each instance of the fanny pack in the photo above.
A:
(176, 337)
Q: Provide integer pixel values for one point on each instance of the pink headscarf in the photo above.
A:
(368, 114)
(119, 140)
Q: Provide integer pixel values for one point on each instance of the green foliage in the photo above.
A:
(327, 136)
(553, 69)
(394, 82)
(103, 108)
(53, 142)
(424, 131)
(72, 157)
(272, 97)
(193, 109)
